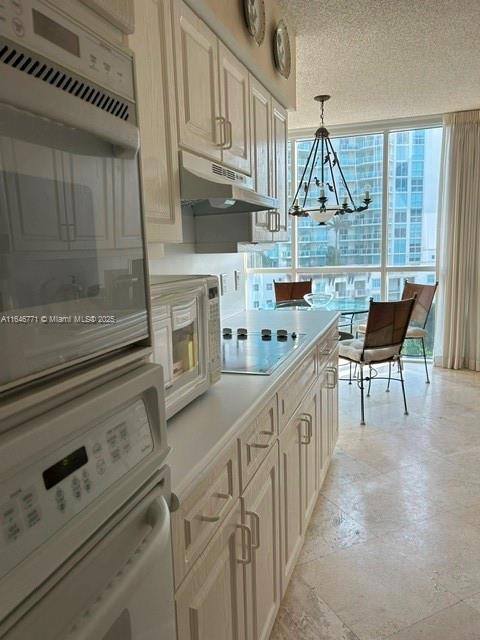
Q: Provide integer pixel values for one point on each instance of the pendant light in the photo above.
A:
(318, 179)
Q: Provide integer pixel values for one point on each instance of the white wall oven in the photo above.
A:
(186, 335)
(72, 263)
(85, 544)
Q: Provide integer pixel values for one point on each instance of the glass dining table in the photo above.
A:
(348, 309)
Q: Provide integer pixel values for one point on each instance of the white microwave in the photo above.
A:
(186, 335)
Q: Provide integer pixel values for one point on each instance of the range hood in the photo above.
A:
(210, 188)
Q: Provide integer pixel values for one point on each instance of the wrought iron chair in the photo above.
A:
(385, 333)
(291, 292)
(416, 331)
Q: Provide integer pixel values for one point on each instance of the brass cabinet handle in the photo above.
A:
(258, 445)
(247, 556)
(221, 121)
(278, 218)
(331, 370)
(308, 419)
(256, 519)
(270, 226)
(228, 135)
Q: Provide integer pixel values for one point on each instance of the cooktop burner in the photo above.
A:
(257, 353)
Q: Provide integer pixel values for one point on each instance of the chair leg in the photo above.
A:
(400, 370)
(350, 375)
(389, 376)
(369, 380)
(425, 359)
(362, 401)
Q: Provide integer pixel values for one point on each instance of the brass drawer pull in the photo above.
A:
(209, 518)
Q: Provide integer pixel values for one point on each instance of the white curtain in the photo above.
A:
(458, 309)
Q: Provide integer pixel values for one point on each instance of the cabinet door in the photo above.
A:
(210, 602)
(196, 60)
(235, 108)
(291, 497)
(260, 114)
(309, 416)
(261, 512)
(279, 168)
(152, 44)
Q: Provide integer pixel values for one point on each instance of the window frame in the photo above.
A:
(384, 128)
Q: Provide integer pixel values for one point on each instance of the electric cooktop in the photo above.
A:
(257, 353)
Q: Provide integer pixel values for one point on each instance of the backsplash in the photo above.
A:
(182, 259)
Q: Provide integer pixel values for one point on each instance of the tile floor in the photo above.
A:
(393, 548)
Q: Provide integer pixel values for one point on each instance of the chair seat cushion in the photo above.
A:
(352, 350)
(416, 332)
(412, 332)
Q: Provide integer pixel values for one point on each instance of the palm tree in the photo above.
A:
(338, 223)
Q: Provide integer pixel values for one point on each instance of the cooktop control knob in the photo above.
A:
(282, 334)
(294, 335)
(227, 332)
(242, 333)
(266, 334)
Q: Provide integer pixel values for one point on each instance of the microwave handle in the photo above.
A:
(29, 94)
(95, 621)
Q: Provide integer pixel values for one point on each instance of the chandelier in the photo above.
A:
(321, 166)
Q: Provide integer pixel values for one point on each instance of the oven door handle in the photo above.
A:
(97, 619)
(29, 94)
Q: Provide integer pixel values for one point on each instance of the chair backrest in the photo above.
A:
(387, 324)
(291, 290)
(425, 294)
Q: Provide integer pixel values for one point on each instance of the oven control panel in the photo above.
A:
(43, 498)
(51, 33)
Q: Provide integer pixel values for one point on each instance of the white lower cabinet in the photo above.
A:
(210, 602)
(230, 585)
(261, 512)
(299, 478)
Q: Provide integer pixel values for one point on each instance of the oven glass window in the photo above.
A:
(72, 280)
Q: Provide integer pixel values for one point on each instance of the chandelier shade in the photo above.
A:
(319, 182)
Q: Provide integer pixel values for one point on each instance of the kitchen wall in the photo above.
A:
(181, 259)
(226, 18)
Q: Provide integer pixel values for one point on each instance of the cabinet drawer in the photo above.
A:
(255, 441)
(202, 512)
(326, 347)
(294, 389)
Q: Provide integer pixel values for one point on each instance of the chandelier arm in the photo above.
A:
(343, 178)
(323, 155)
(315, 145)
(333, 179)
(303, 175)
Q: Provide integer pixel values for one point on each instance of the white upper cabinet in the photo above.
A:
(200, 127)
(260, 109)
(153, 47)
(235, 109)
(279, 168)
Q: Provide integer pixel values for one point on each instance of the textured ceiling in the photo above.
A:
(383, 59)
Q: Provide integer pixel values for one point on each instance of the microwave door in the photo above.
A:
(72, 267)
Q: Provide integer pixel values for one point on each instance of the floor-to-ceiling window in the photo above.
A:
(357, 256)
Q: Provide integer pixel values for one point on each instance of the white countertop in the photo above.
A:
(201, 430)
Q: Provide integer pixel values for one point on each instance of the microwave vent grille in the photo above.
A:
(65, 81)
(222, 171)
